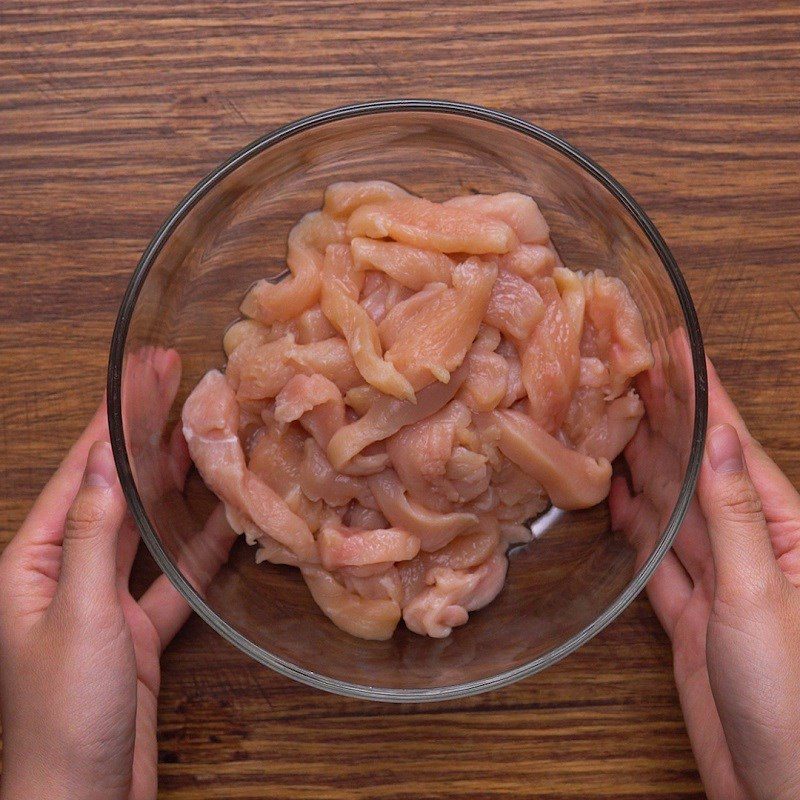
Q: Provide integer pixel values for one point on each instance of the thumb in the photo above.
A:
(89, 549)
(744, 562)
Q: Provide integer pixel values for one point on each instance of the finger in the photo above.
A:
(669, 590)
(45, 521)
(779, 497)
(692, 546)
(127, 545)
(88, 560)
(742, 551)
(205, 553)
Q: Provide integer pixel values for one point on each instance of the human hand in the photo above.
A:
(728, 596)
(79, 656)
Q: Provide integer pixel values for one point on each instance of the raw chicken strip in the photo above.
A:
(386, 416)
(270, 302)
(487, 373)
(599, 427)
(313, 326)
(435, 340)
(515, 390)
(340, 289)
(462, 553)
(550, 360)
(391, 324)
(530, 261)
(340, 546)
(245, 331)
(514, 307)
(259, 372)
(358, 616)
(571, 479)
(410, 266)
(343, 198)
(320, 481)
(331, 358)
(617, 329)
(421, 454)
(381, 294)
(434, 529)
(315, 402)
(444, 605)
(518, 211)
(432, 226)
(210, 422)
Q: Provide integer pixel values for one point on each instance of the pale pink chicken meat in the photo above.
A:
(434, 341)
(410, 266)
(341, 284)
(515, 307)
(434, 528)
(340, 546)
(518, 211)
(268, 301)
(432, 226)
(423, 384)
(210, 422)
(344, 197)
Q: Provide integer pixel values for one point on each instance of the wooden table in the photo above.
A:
(110, 111)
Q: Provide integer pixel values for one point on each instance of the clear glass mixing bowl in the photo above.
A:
(577, 575)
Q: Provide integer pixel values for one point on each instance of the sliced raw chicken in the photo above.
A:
(320, 481)
(530, 261)
(210, 422)
(422, 454)
(515, 306)
(617, 329)
(331, 358)
(340, 288)
(340, 546)
(313, 326)
(515, 390)
(392, 323)
(434, 528)
(444, 605)
(386, 416)
(343, 198)
(426, 382)
(550, 360)
(409, 266)
(600, 427)
(434, 341)
(571, 479)
(432, 226)
(356, 615)
(270, 301)
(259, 372)
(381, 294)
(487, 373)
(518, 211)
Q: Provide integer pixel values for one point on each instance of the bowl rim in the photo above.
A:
(149, 535)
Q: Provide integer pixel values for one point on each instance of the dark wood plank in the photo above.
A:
(110, 111)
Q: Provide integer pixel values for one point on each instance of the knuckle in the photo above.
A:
(743, 504)
(86, 515)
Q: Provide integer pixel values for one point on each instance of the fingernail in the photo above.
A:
(100, 469)
(725, 450)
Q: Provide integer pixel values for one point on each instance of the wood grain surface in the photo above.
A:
(110, 111)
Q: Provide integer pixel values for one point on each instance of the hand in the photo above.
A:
(79, 656)
(728, 596)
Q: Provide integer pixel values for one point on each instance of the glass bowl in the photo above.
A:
(578, 573)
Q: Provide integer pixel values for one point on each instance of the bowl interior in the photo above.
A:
(574, 576)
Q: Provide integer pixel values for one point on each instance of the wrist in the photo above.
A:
(23, 781)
